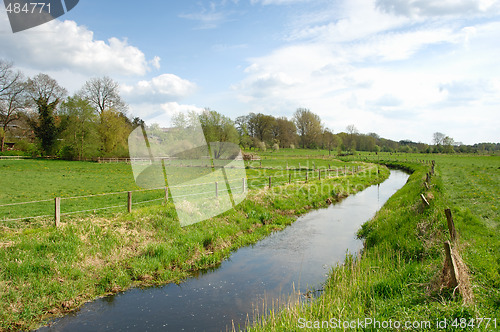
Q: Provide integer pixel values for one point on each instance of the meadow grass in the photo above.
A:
(398, 276)
(35, 180)
(46, 272)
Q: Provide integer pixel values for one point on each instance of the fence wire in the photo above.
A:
(248, 185)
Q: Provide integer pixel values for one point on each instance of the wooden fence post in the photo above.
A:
(319, 175)
(290, 178)
(129, 205)
(216, 189)
(57, 211)
(424, 200)
(244, 184)
(451, 225)
(166, 194)
(306, 176)
(450, 265)
(269, 182)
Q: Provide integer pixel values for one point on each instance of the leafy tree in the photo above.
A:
(260, 126)
(45, 95)
(286, 132)
(308, 126)
(330, 140)
(241, 124)
(448, 143)
(114, 130)
(218, 128)
(81, 136)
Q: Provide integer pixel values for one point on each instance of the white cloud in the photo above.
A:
(412, 8)
(156, 62)
(160, 113)
(277, 2)
(65, 45)
(345, 21)
(399, 77)
(212, 16)
(163, 88)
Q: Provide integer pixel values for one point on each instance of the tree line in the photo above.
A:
(37, 116)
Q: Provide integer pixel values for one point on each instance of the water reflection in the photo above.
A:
(300, 256)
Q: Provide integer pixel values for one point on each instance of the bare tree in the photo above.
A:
(352, 132)
(438, 138)
(103, 94)
(8, 76)
(12, 99)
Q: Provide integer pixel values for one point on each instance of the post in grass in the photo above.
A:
(450, 266)
(57, 216)
(451, 225)
(129, 205)
(426, 203)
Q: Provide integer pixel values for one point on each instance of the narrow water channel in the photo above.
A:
(299, 256)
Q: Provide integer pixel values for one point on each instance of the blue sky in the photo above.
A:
(401, 68)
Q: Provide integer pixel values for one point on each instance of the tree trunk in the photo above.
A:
(3, 133)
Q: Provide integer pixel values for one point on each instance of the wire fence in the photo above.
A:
(115, 200)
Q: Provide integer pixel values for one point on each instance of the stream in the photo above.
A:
(253, 277)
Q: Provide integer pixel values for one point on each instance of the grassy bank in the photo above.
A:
(399, 275)
(45, 272)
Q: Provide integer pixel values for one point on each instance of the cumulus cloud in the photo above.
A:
(163, 88)
(60, 45)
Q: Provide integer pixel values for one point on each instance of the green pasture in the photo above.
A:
(102, 188)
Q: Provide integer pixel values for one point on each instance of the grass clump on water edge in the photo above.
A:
(46, 272)
(398, 277)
